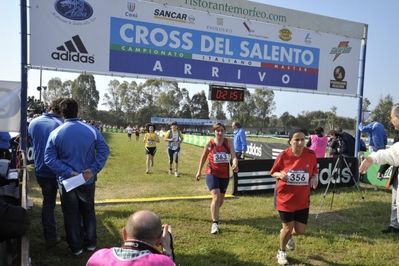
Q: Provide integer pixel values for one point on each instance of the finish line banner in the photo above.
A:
(143, 39)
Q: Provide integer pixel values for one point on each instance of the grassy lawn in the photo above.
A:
(346, 232)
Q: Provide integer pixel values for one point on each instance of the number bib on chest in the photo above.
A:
(150, 142)
(220, 157)
(298, 178)
(174, 145)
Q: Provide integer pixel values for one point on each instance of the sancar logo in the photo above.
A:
(252, 149)
(73, 51)
(173, 16)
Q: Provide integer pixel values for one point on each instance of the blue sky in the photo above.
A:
(381, 17)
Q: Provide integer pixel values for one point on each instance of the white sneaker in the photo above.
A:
(291, 244)
(170, 172)
(215, 229)
(176, 174)
(147, 171)
(282, 257)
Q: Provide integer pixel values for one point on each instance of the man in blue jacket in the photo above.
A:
(377, 136)
(5, 138)
(240, 140)
(77, 148)
(39, 130)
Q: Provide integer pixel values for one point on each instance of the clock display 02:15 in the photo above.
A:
(222, 94)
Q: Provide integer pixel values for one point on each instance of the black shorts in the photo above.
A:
(150, 151)
(298, 216)
(215, 182)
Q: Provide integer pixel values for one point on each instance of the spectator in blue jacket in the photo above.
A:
(77, 148)
(5, 138)
(240, 140)
(377, 136)
(39, 130)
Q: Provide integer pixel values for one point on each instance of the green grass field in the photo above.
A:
(346, 232)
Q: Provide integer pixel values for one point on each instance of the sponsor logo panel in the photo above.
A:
(73, 12)
(173, 16)
(73, 50)
(343, 48)
(339, 75)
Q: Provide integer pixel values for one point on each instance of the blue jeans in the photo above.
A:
(79, 216)
(49, 188)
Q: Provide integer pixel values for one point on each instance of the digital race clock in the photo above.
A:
(219, 93)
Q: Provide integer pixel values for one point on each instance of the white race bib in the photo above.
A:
(298, 178)
(150, 142)
(174, 145)
(221, 157)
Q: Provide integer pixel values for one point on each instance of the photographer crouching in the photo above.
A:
(341, 143)
(142, 235)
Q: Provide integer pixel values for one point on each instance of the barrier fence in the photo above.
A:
(254, 175)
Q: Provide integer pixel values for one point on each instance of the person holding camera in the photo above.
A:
(142, 235)
(341, 143)
(295, 170)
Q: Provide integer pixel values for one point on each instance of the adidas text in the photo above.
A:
(75, 57)
(253, 150)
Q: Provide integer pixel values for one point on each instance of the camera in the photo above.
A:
(171, 242)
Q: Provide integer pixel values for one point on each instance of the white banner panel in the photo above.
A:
(273, 14)
(10, 106)
(149, 40)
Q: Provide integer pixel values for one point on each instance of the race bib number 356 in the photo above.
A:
(298, 178)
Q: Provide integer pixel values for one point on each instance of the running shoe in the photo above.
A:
(282, 257)
(176, 174)
(290, 244)
(147, 171)
(215, 229)
(170, 172)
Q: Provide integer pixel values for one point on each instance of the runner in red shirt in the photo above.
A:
(296, 171)
(218, 151)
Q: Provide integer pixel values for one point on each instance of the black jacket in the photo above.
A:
(14, 221)
(347, 144)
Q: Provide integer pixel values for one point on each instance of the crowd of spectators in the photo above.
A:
(36, 106)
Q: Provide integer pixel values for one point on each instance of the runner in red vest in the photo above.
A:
(296, 171)
(218, 151)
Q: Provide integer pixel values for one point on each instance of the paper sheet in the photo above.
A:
(73, 182)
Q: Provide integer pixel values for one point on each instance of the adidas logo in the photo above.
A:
(73, 50)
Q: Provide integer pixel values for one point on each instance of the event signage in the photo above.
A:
(186, 121)
(144, 39)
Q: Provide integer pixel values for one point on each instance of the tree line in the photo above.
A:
(133, 103)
